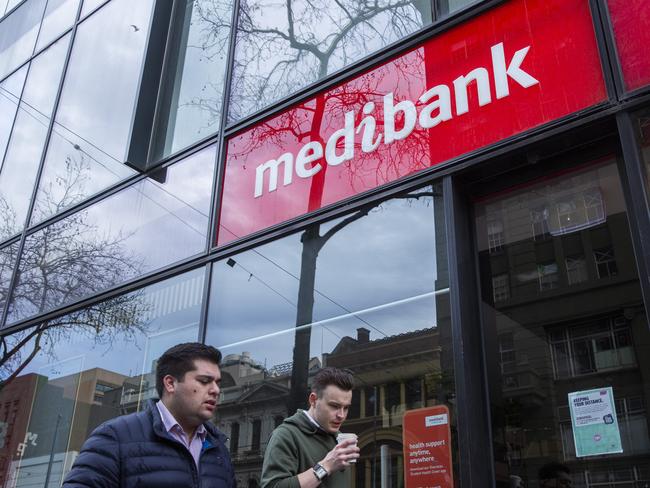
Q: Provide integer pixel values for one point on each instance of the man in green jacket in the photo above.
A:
(302, 451)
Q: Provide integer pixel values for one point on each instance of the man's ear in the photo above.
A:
(312, 399)
(169, 384)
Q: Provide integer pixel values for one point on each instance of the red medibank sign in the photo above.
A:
(511, 69)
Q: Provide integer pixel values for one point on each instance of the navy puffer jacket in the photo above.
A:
(136, 451)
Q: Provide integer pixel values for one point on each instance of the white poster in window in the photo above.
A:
(594, 422)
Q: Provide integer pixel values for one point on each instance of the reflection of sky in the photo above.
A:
(19, 35)
(97, 102)
(173, 215)
(59, 15)
(28, 136)
(44, 77)
(90, 5)
(101, 82)
(383, 265)
(198, 107)
(19, 170)
(77, 348)
(9, 94)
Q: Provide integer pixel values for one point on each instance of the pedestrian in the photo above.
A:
(302, 451)
(170, 444)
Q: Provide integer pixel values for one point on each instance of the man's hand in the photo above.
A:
(341, 456)
(337, 459)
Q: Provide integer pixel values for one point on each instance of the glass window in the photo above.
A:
(63, 378)
(547, 275)
(495, 235)
(530, 225)
(193, 106)
(8, 256)
(329, 296)
(19, 31)
(285, 46)
(12, 3)
(593, 347)
(93, 119)
(59, 16)
(576, 269)
(90, 5)
(629, 20)
(150, 224)
(632, 420)
(605, 262)
(446, 7)
(234, 438)
(10, 91)
(23, 156)
(556, 339)
(501, 287)
(44, 78)
(257, 435)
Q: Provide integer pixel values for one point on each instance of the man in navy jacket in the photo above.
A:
(170, 443)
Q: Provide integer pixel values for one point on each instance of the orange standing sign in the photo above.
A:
(427, 448)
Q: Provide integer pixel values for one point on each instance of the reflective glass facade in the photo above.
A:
(397, 188)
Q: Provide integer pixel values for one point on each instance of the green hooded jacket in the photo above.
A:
(295, 446)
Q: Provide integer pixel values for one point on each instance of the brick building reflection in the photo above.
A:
(45, 422)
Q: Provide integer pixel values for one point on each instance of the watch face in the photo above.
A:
(320, 472)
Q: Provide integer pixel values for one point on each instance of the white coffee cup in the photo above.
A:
(343, 436)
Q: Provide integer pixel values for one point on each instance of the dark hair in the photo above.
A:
(178, 360)
(550, 470)
(332, 376)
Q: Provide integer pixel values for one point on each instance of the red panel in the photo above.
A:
(427, 448)
(631, 22)
(545, 71)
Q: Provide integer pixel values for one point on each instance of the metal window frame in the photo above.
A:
(475, 447)
(631, 168)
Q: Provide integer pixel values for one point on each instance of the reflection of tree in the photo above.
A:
(279, 51)
(121, 318)
(312, 244)
(282, 49)
(67, 260)
(315, 120)
(310, 122)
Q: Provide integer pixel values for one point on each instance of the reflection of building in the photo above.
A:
(392, 375)
(35, 441)
(253, 402)
(15, 409)
(35, 444)
(131, 394)
(569, 318)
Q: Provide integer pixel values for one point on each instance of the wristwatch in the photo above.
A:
(320, 472)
